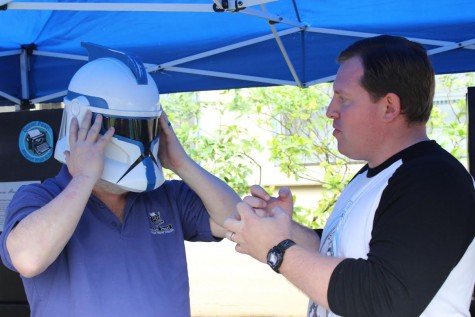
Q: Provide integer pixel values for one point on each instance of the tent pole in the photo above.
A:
(10, 97)
(61, 55)
(272, 17)
(465, 44)
(24, 73)
(471, 129)
(321, 80)
(283, 51)
(10, 53)
(220, 50)
(452, 46)
(286, 56)
(265, 80)
(49, 97)
(138, 7)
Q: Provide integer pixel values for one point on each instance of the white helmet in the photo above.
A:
(117, 86)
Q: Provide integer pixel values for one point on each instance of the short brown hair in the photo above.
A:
(393, 64)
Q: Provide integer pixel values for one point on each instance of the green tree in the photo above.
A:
(224, 153)
(301, 142)
(449, 120)
(302, 145)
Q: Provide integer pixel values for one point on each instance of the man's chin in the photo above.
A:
(110, 187)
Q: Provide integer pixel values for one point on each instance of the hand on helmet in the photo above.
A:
(87, 147)
(170, 152)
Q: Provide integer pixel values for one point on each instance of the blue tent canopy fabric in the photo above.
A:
(192, 45)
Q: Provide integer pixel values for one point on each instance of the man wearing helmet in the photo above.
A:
(105, 237)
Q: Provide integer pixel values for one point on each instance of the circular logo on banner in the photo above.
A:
(36, 141)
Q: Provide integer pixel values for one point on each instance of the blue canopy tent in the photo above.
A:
(191, 45)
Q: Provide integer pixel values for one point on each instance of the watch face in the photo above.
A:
(273, 258)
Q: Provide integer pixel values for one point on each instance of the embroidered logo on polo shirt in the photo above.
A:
(156, 224)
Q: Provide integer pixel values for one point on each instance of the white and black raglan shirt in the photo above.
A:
(406, 229)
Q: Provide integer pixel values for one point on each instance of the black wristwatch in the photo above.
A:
(275, 256)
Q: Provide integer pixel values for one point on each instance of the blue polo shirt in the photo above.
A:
(137, 268)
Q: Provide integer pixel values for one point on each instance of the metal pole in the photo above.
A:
(471, 129)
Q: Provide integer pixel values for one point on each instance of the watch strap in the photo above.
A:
(284, 245)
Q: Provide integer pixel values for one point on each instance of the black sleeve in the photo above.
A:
(318, 232)
(422, 227)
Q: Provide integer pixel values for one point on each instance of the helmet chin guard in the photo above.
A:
(117, 86)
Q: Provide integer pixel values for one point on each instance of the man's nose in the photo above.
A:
(331, 110)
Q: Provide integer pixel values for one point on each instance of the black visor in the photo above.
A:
(143, 130)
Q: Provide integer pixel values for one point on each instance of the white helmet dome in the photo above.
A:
(118, 87)
(122, 93)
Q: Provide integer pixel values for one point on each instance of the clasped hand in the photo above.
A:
(262, 222)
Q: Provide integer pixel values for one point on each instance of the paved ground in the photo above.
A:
(225, 283)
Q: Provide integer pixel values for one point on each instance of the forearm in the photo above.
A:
(305, 237)
(219, 199)
(39, 238)
(310, 272)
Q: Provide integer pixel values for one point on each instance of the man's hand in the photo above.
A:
(256, 235)
(170, 152)
(263, 203)
(87, 147)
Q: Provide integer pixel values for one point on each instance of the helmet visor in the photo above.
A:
(143, 130)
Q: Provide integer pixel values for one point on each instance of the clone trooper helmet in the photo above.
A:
(118, 87)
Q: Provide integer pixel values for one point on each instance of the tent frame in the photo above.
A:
(471, 131)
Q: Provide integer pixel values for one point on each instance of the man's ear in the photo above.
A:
(393, 106)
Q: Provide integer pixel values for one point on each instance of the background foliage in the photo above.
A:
(301, 135)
